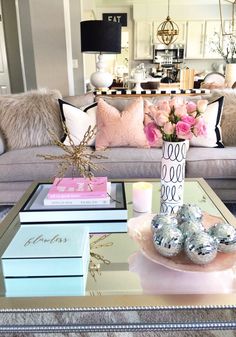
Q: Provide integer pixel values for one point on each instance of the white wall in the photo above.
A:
(49, 42)
(151, 10)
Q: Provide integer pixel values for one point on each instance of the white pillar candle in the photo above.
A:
(142, 196)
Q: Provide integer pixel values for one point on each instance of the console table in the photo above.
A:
(115, 300)
(152, 92)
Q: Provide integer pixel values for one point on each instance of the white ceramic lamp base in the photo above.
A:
(101, 79)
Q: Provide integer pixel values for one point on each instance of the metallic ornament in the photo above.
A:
(189, 212)
(168, 30)
(201, 248)
(168, 240)
(225, 234)
(163, 219)
(190, 227)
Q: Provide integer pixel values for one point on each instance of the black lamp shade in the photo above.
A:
(98, 36)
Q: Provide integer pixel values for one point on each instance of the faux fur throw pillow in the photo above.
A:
(28, 119)
(228, 120)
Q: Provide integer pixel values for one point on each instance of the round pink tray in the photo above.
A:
(139, 228)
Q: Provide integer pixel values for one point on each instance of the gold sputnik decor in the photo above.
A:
(76, 156)
(168, 31)
(95, 265)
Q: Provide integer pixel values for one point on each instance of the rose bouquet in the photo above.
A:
(174, 120)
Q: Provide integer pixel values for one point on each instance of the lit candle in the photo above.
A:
(142, 196)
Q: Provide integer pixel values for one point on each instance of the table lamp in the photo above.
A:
(100, 37)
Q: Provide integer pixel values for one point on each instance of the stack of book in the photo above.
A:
(96, 203)
(79, 191)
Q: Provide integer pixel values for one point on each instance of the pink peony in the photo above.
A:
(169, 128)
(153, 134)
(183, 130)
(200, 128)
(202, 105)
(191, 107)
(188, 119)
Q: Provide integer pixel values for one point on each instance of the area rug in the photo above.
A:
(175, 316)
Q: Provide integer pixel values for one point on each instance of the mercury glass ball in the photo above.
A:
(201, 248)
(189, 212)
(168, 240)
(163, 219)
(225, 234)
(190, 227)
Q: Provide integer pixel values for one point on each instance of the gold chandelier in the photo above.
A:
(168, 30)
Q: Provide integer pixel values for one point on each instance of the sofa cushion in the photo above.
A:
(228, 122)
(80, 100)
(212, 117)
(30, 118)
(118, 129)
(130, 162)
(211, 162)
(26, 165)
(77, 121)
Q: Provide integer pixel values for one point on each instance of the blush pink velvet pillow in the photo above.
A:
(115, 128)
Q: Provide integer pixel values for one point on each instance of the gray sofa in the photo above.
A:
(21, 166)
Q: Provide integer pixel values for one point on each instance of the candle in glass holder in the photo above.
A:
(142, 196)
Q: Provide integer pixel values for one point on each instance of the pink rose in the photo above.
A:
(153, 134)
(183, 130)
(188, 119)
(161, 119)
(202, 105)
(164, 106)
(176, 102)
(180, 111)
(200, 128)
(169, 128)
(152, 110)
(191, 107)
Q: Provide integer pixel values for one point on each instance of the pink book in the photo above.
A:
(75, 188)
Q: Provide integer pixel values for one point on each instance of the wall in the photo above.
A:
(49, 42)
(26, 41)
(12, 46)
(188, 10)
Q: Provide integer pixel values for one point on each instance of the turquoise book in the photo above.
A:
(47, 261)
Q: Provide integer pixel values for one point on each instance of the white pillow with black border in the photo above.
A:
(212, 117)
(77, 121)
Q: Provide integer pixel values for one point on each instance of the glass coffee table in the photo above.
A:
(127, 291)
